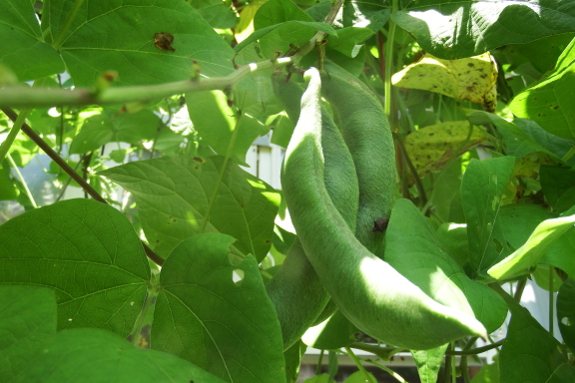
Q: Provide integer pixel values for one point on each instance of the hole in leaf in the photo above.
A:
(238, 276)
(566, 321)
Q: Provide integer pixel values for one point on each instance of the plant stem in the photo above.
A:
(519, 289)
(389, 62)
(22, 96)
(475, 351)
(569, 154)
(16, 126)
(319, 361)
(551, 300)
(71, 172)
(388, 370)
(368, 376)
(24, 184)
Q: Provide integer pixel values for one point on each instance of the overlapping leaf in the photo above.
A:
(482, 190)
(119, 35)
(23, 50)
(566, 312)
(213, 310)
(88, 253)
(179, 197)
(452, 29)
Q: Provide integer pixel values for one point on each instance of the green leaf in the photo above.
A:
(323, 378)
(482, 189)
(446, 197)
(543, 53)
(549, 101)
(88, 253)
(558, 184)
(23, 50)
(98, 356)
(453, 237)
(360, 377)
(519, 221)
(216, 122)
(428, 363)
(348, 39)
(108, 127)
(560, 147)
(179, 197)
(118, 35)
(530, 353)
(372, 14)
(527, 256)
(489, 373)
(293, 356)
(566, 312)
(331, 334)
(217, 13)
(452, 29)
(27, 317)
(414, 250)
(282, 131)
(213, 310)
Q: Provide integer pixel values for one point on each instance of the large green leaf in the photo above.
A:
(108, 127)
(88, 253)
(566, 312)
(23, 49)
(27, 316)
(530, 353)
(549, 102)
(452, 29)
(519, 221)
(98, 356)
(179, 197)
(482, 189)
(527, 256)
(213, 310)
(119, 35)
(333, 333)
(413, 249)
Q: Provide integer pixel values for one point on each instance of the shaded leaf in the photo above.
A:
(217, 13)
(217, 122)
(454, 29)
(213, 310)
(88, 253)
(293, 357)
(98, 356)
(530, 353)
(489, 373)
(27, 317)
(549, 101)
(108, 127)
(414, 250)
(558, 184)
(179, 197)
(332, 334)
(482, 190)
(23, 50)
(119, 35)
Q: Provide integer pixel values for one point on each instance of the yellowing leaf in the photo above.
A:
(470, 79)
(245, 26)
(431, 148)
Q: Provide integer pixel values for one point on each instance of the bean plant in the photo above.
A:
(428, 177)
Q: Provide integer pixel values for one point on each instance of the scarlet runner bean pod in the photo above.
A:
(369, 292)
(296, 292)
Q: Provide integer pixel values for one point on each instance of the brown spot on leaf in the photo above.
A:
(163, 41)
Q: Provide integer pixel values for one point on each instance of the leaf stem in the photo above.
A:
(24, 184)
(16, 126)
(475, 351)
(388, 370)
(551, 300)
(389, 61)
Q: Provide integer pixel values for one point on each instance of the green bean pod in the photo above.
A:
(296, 291)
(366, 132)
(369, 292)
